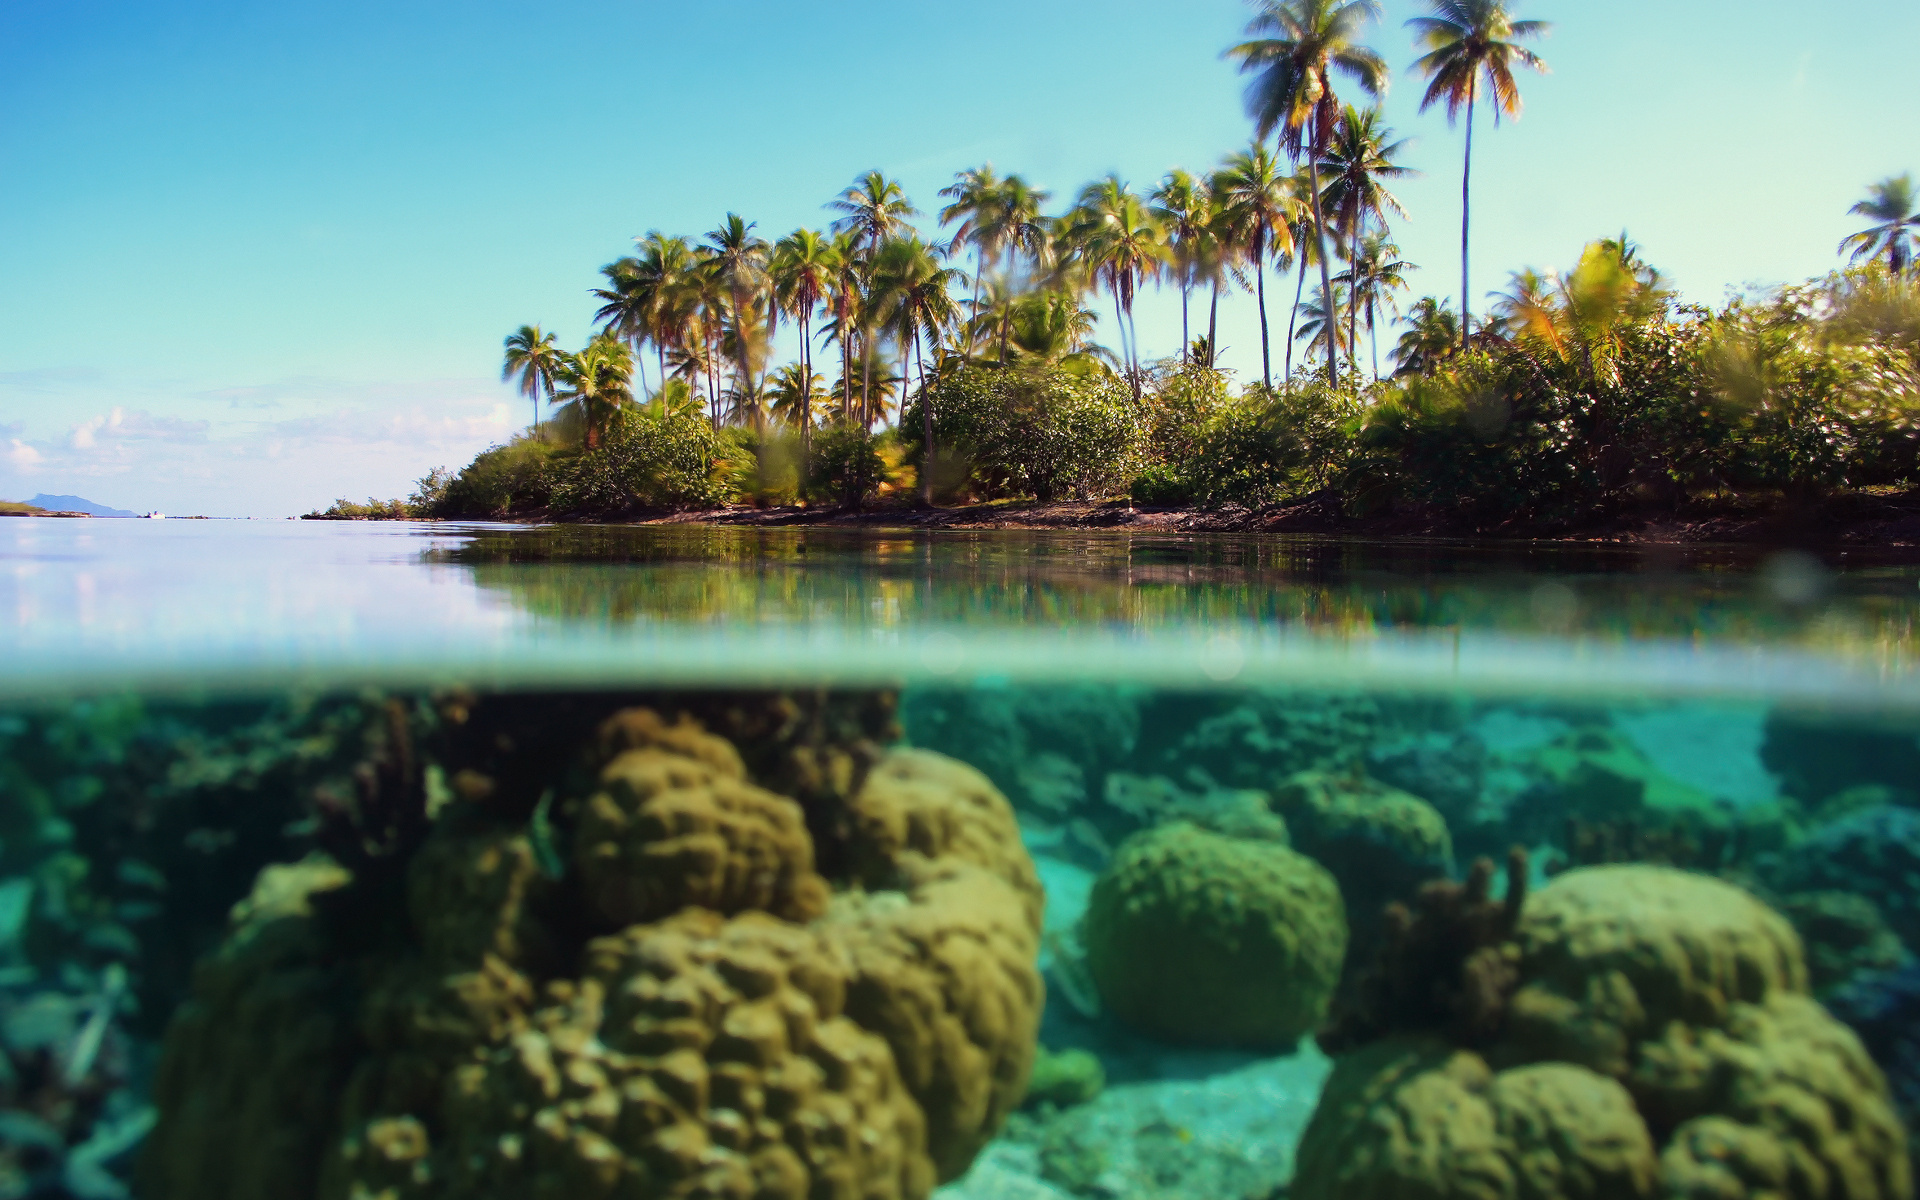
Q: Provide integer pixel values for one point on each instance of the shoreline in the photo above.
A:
(1845, 522)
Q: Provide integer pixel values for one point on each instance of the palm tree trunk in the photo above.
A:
(1260, 290)
(1373, 338)
(1186, 338)
(1353, 290)
(1466, 178)
(1299, 290)
(1213, 325)
(926, 428)
(806, 397)
(1329, 313)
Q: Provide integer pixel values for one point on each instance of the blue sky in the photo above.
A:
(256, 255)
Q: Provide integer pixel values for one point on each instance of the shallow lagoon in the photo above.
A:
(177, 694)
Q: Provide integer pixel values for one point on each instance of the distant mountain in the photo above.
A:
(77, 504)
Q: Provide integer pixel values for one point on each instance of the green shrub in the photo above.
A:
(845, 465)
(502, 480)
(650, 458)
(1042, 431)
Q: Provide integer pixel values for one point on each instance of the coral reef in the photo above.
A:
(1198, 938)
(1874, 850)
(1269, 735)
(1594, 774)
(1411, 1117)
(1883, 1008)
(1818, 755)
(785, 963)
(1444, 966)
(1844, 935)
(1380, 843)
(1671, 1011)
(1049, 749)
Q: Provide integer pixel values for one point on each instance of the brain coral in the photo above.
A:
(1417, 1118)
(1657, 1013)
(1200, 938)
(689, 1009)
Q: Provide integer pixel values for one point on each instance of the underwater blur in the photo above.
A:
(978, 934)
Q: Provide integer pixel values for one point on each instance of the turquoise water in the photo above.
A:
(436, 861)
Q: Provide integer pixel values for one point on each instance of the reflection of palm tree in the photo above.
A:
(1434, 334)
(533, 357)
(1374, 273)
(1358, 161)
(1891, 205)
(1467, 41)
(1185, 211)
(1293, 91)
(1259, 203)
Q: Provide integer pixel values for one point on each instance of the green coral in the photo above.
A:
(1199, 938)
(1066, 1078)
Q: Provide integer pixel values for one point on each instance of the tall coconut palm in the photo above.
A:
(1374, 273)
(1260, 204)
(873, 208)
(1467, 42)
(595, 384)
(846, 305)
(1308, 43)
(1891, 205)
(536, 361)
(802, 273)
(738, 260)
(976, 196)
(624, 305)
(1122, 246)
(651, 295)
(1321, 328)
(1358, 162)
(1307, 246)
(913, 293)
(1184, 209)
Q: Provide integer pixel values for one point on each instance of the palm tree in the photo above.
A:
(1185, 211)
(1260, 204)
(1467, 41)
(1433, 335)
(1307, 247)
(1121, 245)
(911, 290)
(533, 356)
(1891, 204)
(1358, 161)
(846, 304)
(1293, 92)
(738, 261)
(802, 273)
(1052, 328)
(597, 383)
(873, 208)
(793, 394)
(1319, 329)
(1374, 273)
(976, 197)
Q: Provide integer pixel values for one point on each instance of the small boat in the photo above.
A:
(155, 516)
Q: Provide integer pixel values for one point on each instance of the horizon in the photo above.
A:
(274, 253)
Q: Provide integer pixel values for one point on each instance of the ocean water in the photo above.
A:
(395, 860)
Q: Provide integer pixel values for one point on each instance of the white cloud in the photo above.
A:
(22, 455)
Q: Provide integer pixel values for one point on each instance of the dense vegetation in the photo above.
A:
(967, 368)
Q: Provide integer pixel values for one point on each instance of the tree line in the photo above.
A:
(901, 316)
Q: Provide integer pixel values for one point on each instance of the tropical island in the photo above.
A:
(949, 372)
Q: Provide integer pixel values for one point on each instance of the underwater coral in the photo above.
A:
(701, 946)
